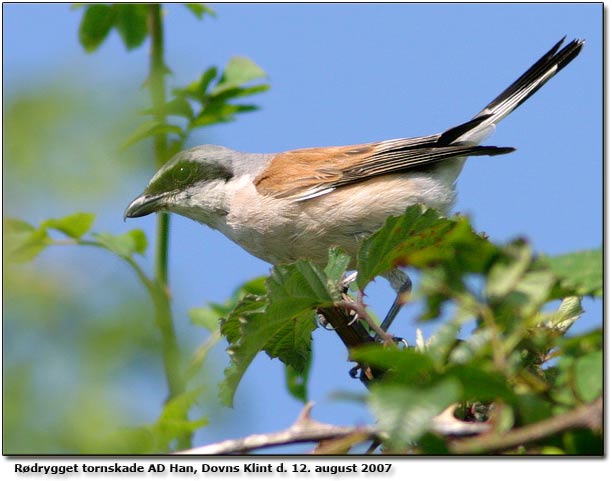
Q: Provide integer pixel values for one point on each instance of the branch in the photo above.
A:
(304, 429)
(359, 309)
(587, 416)
(352, 334)
(331, 439)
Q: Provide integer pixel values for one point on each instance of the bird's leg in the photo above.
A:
(402, 285)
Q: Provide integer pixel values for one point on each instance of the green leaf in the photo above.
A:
(335, 270)
(255, 286)
(131, 23)
(17, 226)
(297, 381)
(199, 10)
(208, 318)
(506, 273)
(582, 271)
(95, 25)
(219, 112)
(440, 344)
(28, 248)
(74, 225)
(178, 106)
(247, 307)
(246, 299)
(174, 420)
(337, 264)
(238, 71)
(569, 311)
(400, 365)
(478, 383)
(588, 375)
(150, 129)
(280, 325)
(124, 245)
(534, 291)
(533, 408)
(422, 238)
(231, 93)
(197, 90)
(296, 288)
(406, 413)
(288, 339)
(475, 346)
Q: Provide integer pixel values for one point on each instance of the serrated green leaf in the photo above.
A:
(95, 25)
(421, 237)
(150, 129)
(124, 245)
(291, 343)
(406, 413)
(199, 10)
(74, 225)
(281, 324)
(296, 288)
(131, 23)
(247, 307)
(588, 375)
(286, 339)
(582, 271)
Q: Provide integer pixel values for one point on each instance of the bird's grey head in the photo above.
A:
(192, 184)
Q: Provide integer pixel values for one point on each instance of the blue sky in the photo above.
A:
(344, 74)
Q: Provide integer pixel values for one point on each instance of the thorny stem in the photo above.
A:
(360, 310)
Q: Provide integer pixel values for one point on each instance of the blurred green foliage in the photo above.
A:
(71, 356)
(76, 340)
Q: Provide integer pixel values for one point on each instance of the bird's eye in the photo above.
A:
(183, 173)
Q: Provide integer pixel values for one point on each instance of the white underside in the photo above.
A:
(280, 230)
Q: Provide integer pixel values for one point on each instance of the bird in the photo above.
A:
(297, 204)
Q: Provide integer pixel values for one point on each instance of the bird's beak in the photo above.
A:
(142, 205)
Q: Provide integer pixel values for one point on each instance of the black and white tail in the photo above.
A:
(521, 89)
